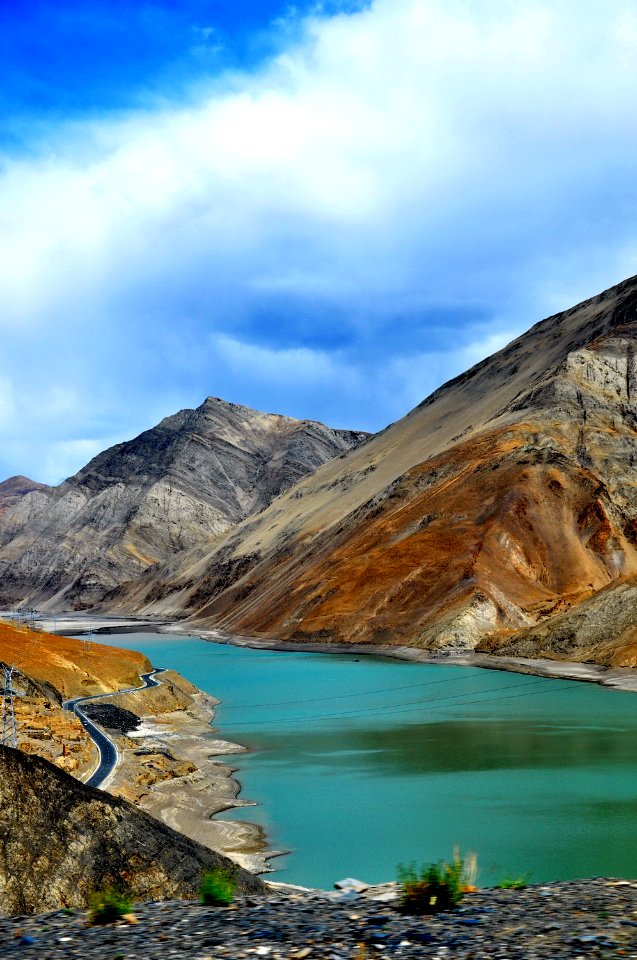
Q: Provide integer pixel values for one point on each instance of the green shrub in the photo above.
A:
(439, 886)
(109, 905)
(217, 888)
(513, 883)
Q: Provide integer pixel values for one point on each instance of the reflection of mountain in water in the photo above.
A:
(453, 745)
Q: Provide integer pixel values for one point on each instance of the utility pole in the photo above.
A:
(9, 731)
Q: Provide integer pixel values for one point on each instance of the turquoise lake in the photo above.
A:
(357, 766)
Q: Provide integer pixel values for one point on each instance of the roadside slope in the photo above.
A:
(60, 841)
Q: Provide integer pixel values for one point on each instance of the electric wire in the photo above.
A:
(390, 709)
(347, 696)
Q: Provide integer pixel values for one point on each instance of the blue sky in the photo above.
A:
(323, 210)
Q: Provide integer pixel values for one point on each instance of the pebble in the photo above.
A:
(561, 921)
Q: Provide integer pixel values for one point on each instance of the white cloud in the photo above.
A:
(413, 156)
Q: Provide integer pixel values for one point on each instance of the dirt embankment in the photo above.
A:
(49, 669)
(170, 760)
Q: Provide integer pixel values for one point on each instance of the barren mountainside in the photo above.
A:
(13, 489)
(60, 841)
(505, 500)
(176, 486)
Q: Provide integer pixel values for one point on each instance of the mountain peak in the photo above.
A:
(174, 487)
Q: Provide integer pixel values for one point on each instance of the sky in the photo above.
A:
(323, 210)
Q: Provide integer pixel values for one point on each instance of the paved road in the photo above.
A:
(105, 746)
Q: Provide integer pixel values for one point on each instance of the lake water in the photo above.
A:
(357, 766)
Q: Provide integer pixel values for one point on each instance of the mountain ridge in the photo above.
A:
(177, 485)
(502, 498)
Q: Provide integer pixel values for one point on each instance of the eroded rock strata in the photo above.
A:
(176, 486)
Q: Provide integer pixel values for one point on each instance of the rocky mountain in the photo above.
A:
(13, 489)
(178, 485)
(503, 501)
(60, 841)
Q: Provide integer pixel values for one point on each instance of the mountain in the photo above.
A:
(13, 489)
(178, 485)
(506, 498)
(61, 841)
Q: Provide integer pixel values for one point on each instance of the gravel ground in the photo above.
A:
(594, 918)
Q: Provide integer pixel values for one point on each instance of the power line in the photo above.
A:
(390, 710)
(9, 732)
(363, 693)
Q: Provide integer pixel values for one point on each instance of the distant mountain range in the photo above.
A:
(500, 514)
(176, 486)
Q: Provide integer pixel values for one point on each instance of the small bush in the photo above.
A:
(217, 888)
(439, 886)
(109, 905)
(513, 883)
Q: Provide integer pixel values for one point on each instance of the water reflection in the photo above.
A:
(460, 745)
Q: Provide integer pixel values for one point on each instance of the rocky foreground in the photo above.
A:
(590, 918)
(60, 841)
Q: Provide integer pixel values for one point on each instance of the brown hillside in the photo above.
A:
(506, 497)
(60, 841)
(69, 667)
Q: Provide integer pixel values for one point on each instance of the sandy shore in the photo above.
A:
(172, 768)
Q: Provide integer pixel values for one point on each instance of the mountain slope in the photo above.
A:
(14, 488)
(504, 498)
(60, 841)
(175, 486)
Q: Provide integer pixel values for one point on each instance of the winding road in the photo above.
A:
(105, 746)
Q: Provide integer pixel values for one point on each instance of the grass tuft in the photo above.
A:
(435, 887)
(109, 905)
(513, 883)
(217, 888)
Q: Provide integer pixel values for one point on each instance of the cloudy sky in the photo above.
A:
(323, 210)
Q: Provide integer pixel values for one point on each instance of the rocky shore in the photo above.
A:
(173, 766)
(588, 918)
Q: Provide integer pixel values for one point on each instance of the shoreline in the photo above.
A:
(189, 801)
(616, 678)
(171, 766)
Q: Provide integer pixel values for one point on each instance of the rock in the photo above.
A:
(13, 489)
(61, 841)
(173, 488)
(350, 884)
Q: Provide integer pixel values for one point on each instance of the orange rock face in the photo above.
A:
(72, 667)
(491, 534)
